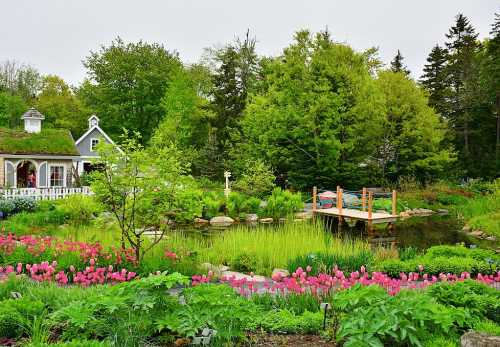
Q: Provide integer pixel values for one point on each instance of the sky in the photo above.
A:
(55, 36)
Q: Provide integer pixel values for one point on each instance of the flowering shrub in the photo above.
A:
(301, 282)
(45, 272)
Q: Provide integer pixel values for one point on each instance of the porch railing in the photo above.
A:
(42, 193)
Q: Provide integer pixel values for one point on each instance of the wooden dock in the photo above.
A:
(376, 217)
(361, 211)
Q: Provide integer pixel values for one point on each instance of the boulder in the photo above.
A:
(280, 272)
(422, 212)
(251, 218)
(201, 221)
(490, 238)
(405, 214)
(221, 221)
(239, 276)
(442, 211)
(476, 339)
(476, 233)
(266, 220)
(304, 215)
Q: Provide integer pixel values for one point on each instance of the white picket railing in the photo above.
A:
(42, 193)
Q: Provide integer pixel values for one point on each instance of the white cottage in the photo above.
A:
(46, 158)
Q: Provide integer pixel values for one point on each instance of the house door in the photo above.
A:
(26, 175)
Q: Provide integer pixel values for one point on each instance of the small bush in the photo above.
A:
(244, 262)
(79, 209)
(286, 322)
(325, 262)
(282, 203)
(213, 204)
(240, 204)
(7, 207)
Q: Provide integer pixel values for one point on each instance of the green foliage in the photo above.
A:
(16, 316)
(376, 319)
(282, 203)
(60, 106)
(273, 248)
(479, 299)
(445, 259)
(143, 188)
(210, 306)
(11, 109)
(488, 327)
(239, 204)
(294, 303)
(348, 261)
(283, 321)
(7, 207)
(257, 179)
(127, 82)
(79, 209)
(244, 262)
(213, 204)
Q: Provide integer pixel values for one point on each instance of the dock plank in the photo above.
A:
(377, 217)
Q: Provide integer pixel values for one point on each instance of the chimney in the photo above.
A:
(33, 121)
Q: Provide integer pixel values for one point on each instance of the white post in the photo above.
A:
(227, 190)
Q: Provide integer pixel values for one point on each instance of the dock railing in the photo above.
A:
(362, 200)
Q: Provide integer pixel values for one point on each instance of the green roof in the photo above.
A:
(48, 142)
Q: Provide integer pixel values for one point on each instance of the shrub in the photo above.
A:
(244, 262)
(16, 316)
(283, 321)
(377, 319)
(256, 180)
(7, 207)
(213, 204)
(282, 203)
(479, 299)
(239, 204)
(24, 204)
(79, 209)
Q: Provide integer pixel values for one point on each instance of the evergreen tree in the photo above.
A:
(234, 77)
(435, 80)
(397, 64)
(462, 46)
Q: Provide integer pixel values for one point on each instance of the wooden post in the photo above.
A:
(315, 192)
(337, 197)
(394, 203)
(340, 200)
(363, 199)
(370, 205)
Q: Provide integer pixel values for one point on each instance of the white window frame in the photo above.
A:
(49, 178)
(92, 148)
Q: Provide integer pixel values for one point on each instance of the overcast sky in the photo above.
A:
(55, 35)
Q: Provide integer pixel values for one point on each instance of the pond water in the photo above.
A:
(418, 232)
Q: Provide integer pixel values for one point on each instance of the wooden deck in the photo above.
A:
(376, 217)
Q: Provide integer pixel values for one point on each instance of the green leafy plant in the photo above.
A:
(282, 203)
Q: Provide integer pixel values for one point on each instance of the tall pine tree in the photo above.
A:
(462, 46)
(397, 64)
(435, 80)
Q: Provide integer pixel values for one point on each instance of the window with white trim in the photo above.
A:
(57, 176)
(93, 144)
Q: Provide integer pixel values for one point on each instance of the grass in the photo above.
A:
(482, 212)
(267, 249)
(48, 141)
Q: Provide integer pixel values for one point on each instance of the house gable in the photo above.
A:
(94, 134)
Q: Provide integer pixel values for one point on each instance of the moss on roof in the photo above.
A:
(48, 141)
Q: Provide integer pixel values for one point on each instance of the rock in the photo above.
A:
(240, 276)
(405, 214)
(490, 238)
(476, 339)
(251, 218)
(466, 228)
(221, 221)
(216, 269)
(266, 220)
(281, 272)
(442, 211)
(201, 221)
(304, 215)
(422, 212)
(476, 233)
